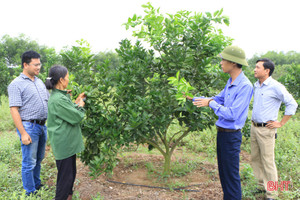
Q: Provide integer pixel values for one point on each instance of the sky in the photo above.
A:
(257, 26)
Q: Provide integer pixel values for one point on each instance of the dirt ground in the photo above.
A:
(203, 182)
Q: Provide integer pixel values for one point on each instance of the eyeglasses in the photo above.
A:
(36, 65)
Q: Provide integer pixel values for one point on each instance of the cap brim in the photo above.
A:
(234, 59)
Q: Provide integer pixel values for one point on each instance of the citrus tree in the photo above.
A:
(134, 102)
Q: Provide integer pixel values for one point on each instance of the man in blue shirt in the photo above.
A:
(268, 96)
(231, 106)
(28, 100)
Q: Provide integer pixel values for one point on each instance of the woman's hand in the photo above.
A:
(79, 98)
(69, 92)
(81, 103)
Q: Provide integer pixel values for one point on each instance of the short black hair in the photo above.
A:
(28, 55)
(268, 64)
(239, 65)
(55, 73)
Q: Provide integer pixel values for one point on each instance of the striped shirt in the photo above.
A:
(267, 100)
(30, 96)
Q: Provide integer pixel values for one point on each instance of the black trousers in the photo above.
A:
(65, 177)
(228, 152)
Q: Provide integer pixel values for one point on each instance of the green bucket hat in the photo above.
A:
(234, 54)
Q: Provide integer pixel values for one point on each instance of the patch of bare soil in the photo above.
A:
(201, 183)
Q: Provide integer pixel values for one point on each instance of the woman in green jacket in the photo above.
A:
(64, 131)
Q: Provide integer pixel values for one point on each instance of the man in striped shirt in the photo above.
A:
(28, 100)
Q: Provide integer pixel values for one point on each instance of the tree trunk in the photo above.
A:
(167, 164)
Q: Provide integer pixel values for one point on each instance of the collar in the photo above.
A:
(266, 82)
(60, 91)
(237, 80)
(26, 77)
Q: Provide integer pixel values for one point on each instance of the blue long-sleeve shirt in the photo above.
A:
(232, 104)
(267, 100)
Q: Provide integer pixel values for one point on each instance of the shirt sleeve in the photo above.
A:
(287, 99)
(220, 97)
(70, 112)
(14, 95)
(240, 103)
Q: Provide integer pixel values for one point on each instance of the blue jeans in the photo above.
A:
(32, 155)
(228, 151)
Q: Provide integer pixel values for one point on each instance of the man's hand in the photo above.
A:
(26, 139)
(273, 124)
(201, 102)
(188, 97)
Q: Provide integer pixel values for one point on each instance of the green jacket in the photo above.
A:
(64, 125)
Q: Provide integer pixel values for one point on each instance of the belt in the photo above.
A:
(259, 124)
(37, 121)
(220, 129)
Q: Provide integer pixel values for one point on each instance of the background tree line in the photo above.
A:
(11, 49)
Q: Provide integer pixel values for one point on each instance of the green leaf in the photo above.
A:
(221, 11)
(216, 13)
(226, 21)
(177, 75)
(208, 14)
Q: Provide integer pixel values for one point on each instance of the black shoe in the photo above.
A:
(39, 187)
(42, 186)
(31, 193)
(258, 191)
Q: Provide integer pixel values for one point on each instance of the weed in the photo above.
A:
(98, 197)
(6, 120)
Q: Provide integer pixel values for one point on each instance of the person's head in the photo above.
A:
(232, 57)
(58, 78)
(31, 63)
(264, 68)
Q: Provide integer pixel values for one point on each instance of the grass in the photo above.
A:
(10, 168)
(196, 148)
(6, 122)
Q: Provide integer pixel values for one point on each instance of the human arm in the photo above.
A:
(277, 124)
(68, 111)
(290, 103)
(25, 137)
(79, 100)
(204, 102)
(284, 96)
(235, 103)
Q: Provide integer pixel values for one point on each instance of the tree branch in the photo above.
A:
(174, 135)
(178, 140)
(153, 143)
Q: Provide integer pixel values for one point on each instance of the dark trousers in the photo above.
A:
(228, 151)
(65, 177)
